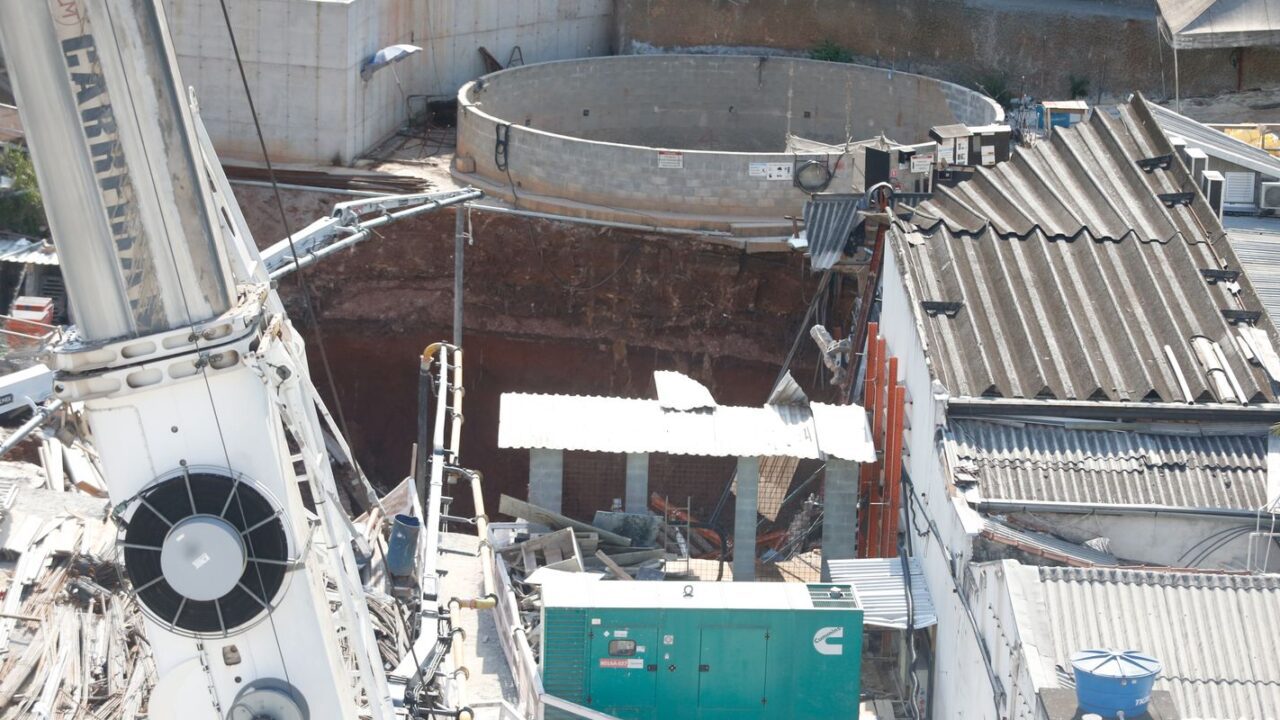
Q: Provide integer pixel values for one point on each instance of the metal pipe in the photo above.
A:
(455, 419)
(603, 223)
(40, 417)
(365, 230)
(459, 243)
(1067, 508)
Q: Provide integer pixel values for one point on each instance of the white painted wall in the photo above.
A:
(303, 60)
(962, 690)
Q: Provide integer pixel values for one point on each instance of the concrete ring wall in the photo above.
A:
(596, 137)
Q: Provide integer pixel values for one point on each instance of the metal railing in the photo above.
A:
(532, 698)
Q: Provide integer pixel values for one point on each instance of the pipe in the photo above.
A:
(1067, 508)
(39, 417)
(455, 419)
(365, 230)
(603, 223)
(459, 243)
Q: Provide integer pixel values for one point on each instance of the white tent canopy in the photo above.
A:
(1207, 24)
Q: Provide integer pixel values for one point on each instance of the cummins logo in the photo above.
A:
(827, 641)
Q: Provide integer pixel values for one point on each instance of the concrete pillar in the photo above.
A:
(839, 513)
(637, 495)
(744, 519)
(546, 478)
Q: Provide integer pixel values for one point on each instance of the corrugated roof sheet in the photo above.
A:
(1028, 461)
(1216, 143)
(1061, 274)
(881, 590)
(1045, 546)
(828, 221)
(1215, 634)
(623, 425)
(1203, 24)
(1259, 254)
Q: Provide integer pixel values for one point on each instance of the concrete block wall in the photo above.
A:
(554, 168)
(303, 60)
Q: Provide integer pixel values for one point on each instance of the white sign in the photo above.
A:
(670, 160)
(947, 155)
(962, 151)
(822, 641)
(988, 154)
(770, 170)
(921, 163)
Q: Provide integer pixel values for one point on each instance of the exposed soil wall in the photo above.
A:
(550, 307)
(1112, 43)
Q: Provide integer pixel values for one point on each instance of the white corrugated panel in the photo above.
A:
(1239, 187)
(1213, 633)
(882, 591)
(621, 425)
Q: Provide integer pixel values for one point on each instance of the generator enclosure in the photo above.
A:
(702, 650)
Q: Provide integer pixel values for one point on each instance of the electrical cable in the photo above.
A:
(303, 286)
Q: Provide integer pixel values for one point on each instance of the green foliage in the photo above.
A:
(21, 209)
(995, 86)
(831, 52)
(1079, 86)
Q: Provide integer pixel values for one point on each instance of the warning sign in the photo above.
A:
(622, 663)
(921, 163)
(670, 160)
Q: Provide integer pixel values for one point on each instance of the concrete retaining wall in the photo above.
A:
(1112, 43)
(303, 60)
(671, 141)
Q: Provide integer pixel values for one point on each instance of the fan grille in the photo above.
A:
(171, 501)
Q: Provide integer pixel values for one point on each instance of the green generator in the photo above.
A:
(703, 650)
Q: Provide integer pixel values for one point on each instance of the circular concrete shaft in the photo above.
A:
(202, 557)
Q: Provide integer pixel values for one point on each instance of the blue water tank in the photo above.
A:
(1109, 682)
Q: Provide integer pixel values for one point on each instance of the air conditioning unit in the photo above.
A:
(1271, 196)
(1213, 185)
(1198, 163)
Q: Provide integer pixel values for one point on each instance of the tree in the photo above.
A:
(21, 210)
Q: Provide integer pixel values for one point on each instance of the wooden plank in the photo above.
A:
(636, 557)
(614, 567)
(508, 505)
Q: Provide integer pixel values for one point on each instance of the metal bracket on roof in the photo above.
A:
(910, 198)
(1214, 276)
(1236, 317)
(1159, 162)
(934, 308)
(1176, 199)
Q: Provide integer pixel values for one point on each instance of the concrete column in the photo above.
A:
(744, 519)
(637, 495)
(546, 478)
(839, 513)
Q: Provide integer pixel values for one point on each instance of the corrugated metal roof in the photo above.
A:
(828, 220)
(1046, 546)
(30, 253)
(881, 590)
(1215, 634)
(1259, 254)
(1216, 143)
(622, 425)
(1204, 24)
(1061, 274)
(677, 391)
(1028, 461)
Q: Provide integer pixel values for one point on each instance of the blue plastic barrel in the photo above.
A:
(1109, 682)
(403, 546)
